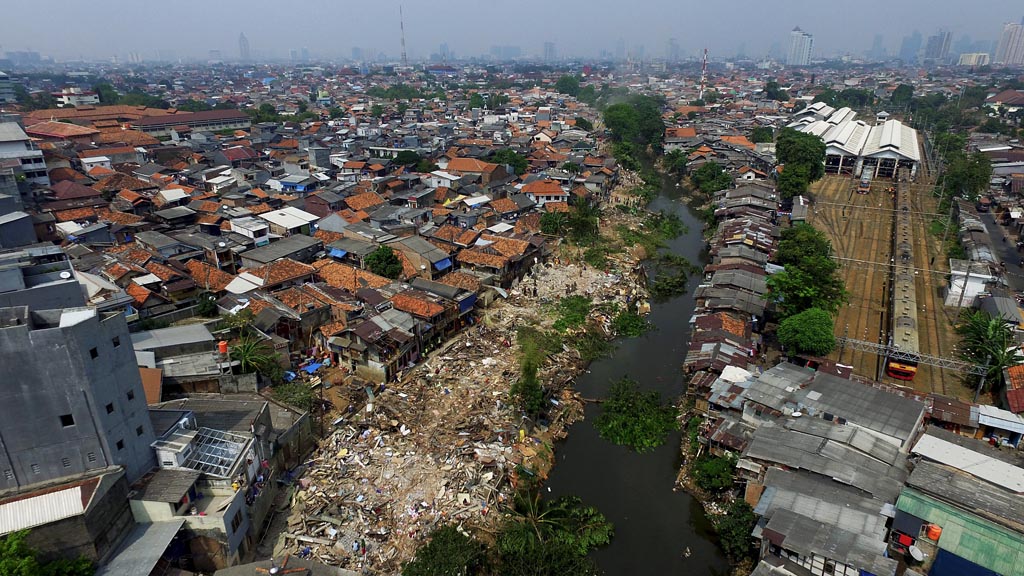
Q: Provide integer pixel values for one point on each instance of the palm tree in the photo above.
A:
(987, 339)
(565, 518)
(253, 354)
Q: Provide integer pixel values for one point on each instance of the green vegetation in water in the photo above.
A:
(657, 229)
(671, 274)
(592, 345)
(629, 324)
(692, 432)
(635, 418)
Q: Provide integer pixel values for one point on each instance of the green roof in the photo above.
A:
(968, 536)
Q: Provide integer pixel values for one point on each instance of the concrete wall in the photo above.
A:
(64, 294)
(18, 232)
(84, 371)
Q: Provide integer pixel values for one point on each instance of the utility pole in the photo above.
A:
(703, 75)
(981, 384)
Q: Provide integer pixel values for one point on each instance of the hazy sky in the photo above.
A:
(69, 29)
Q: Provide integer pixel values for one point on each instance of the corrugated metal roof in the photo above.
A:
(974, 463)
(42, 509)
(968, 536)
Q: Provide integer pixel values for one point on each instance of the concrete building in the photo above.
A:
(75, 97)
(210, 120)
(243, 47)
(40, 277)
(800, 46)
(1010, 51)
(936, 50)
(973, 59)
(73, 402)
(6, 90)
(853, 146)
(16, 145)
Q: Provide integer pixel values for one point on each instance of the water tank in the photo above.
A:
(222, 347)
(933, 532)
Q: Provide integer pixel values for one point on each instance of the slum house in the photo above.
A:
(299, 248)
(962, 509)
(952, 414)
(508, 259)
(430, 261)
(377, 347)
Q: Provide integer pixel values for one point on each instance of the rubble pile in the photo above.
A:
(442, 444)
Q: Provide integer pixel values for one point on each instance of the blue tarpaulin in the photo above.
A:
(443, 264)
(312, 367)
(337, 253)
(289, 376)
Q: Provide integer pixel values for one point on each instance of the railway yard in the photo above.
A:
(860, 227)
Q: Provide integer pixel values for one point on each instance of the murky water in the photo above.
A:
(653, 525)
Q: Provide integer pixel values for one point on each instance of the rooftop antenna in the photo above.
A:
(703, 75)
(401, 25)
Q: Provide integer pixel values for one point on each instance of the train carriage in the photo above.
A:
(903, 333)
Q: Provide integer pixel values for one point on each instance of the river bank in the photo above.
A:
(443, 444)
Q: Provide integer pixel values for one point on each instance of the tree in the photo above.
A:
(800, 242)
(966, 175)
(762, 134)
(476, 100)
(527, 391)
(384, 262)
(584, 124)
(335, 113)
(569, 85)
(376, 110)
(194, 106)
(773, 91)
(711, 178)
(813, 284)
(554, 223)
(635, 418)
(520, 553)
(793, 181)
(675, 162)
(734, 530)
(622, 120)
(808, 332)
(794, 147)
(902, 95)
(106, 93)
(425, 166)
(508, 156)
(713, 473)
(583, 223)
(254, 354)
(207, 305)
(17, 558)
(407, 158)
(987, 339)
(447, 552)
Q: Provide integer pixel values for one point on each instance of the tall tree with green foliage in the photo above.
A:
(713, 473)
(966, 175)
(734, 530)
(710, 178)
(508, 156)
(987, 339)
(476, 100)
(902, 95)
(635, 418)
(808, 332)
(384, 262)
(800, 242)
(448, 552)
(569, 85)
(584, 124)
(407, 158)
(802, 149)
(254, 354)
(762, 134)
(194, 106)
(637, 120)
(773, 91)
(527, 390)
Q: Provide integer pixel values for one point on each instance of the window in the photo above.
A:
(93, 353)
(35, 469)
(236, 521)
(138, 431)
(116, 341)
(66, 462)
(131, 394)
(91, 456)
(110, 408)
(120, 444)
(67, 420)
(9, 474)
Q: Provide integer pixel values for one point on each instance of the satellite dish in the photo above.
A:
(916, 553)
(222, 244)
(65, 274)
(797, 414)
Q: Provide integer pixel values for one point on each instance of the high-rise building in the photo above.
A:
(973, 59)
(877, 50)
(357, 53)
(800, 46)
(1010, 51)
(549, 52)
(243, 47)
(936, 50)
(672, 50)
(444, 52)
(620, 50)
(910, 47)
(6, 90)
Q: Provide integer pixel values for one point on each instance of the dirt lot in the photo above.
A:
(860, 227)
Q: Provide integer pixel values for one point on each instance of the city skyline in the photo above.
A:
(597, 29)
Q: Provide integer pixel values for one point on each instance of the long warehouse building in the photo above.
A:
(855, 147)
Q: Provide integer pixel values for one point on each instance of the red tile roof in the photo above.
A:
(420, 307)
(471, 165)
(280, 271)
(348, 277)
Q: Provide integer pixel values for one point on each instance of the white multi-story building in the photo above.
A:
(800, 45)
(6, 90)
(16, 145)
(1010, 51)
(75, 97)
(973, 59)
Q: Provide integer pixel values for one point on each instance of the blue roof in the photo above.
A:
(443, 264)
